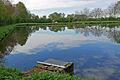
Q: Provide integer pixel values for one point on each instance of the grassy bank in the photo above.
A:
(9, 74)
(13, 74)
(68, 23)
(5, 30)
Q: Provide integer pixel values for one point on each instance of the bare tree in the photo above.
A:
(111, 10)
(105, 13)
(86, 11)
(96, 13)
(117, 8)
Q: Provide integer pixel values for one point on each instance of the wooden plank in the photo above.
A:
(50, 64)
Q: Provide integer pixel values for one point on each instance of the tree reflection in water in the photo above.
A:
(21, 34)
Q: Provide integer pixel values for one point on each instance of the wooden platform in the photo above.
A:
(60, 65)
(53, 65)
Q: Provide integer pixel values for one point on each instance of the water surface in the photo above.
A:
(95, 50)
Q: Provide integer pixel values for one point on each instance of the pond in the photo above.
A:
(95, 50)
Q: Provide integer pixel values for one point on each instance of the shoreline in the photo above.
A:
(73, 23)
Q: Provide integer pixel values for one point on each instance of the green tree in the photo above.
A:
(3, 12)
(21, 12)
(56, 17)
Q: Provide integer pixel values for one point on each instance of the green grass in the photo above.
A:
(78, 22)
(13, 74)
(51, 76)
(9, 74)
(4, 30)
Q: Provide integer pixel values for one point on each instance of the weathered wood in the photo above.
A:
(53, 66)
(49, 64)
(60, 65)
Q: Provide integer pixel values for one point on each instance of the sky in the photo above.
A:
(46, 7)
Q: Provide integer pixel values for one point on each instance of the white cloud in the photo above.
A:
(49, 40)
(45, 7)
(48, 4)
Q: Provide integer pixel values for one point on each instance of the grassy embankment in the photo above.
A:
(5, 30)
(13, 74)
(68, 23)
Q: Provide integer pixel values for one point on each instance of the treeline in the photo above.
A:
(112, 13)
(18, 13)
(13, 13)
